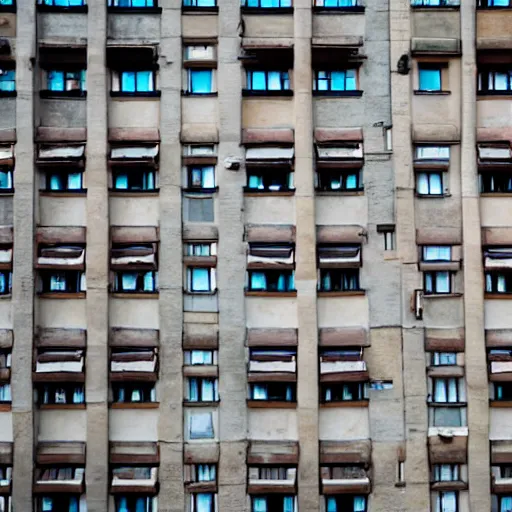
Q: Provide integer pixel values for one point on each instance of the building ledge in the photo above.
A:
(134, 405)
(349, 293)
(79, 9)
(249, 293)
(345, 403)
(133, 193)
(5, 407)
(498, 296)
(63, 193)
(271, 404)
(432, 93)
(51, 407)
(248, 192)
(187, 403)
(266, 10)
(62, 295)
(194, 9)
(358, 9)
(500, 403)
(134, 10)
(339, 192)
(136, 295)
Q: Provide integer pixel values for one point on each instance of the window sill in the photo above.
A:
(432, 196)
(187, 403)
(441, 295)
(320, 192)
(187, 94)
(134, 295)
(6, 296)
(266, 10)
(63, 193)
(250, 192)
(59, 95)
(134, 405)
(189, 190)
(338, 94)
(5, 407)
(52, 407)
(200, 294)
(450, 485)
(498, 296)
(358, 9)
(497, 95)
(8, 94)
(249, 93)
(6, 192)
(496, 194)
(500, 403)
(252, 293)
(270, 404)
(62, 295)
(195, 9)
(348, 293)
(497, 8)
(134, 10)
(441, 8)
(136, 95)
(79, 9)
(449, 405)
(431, 93)
(346, 403)
(133, 193)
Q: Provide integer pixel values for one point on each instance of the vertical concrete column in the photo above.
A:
(231, 269)
(475, 356)
(413, 358)
(170, 386)
(305, 257)
(23, 265)
(97, 261)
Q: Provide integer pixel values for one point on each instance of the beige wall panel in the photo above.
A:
(5, 314)
(141, 313)
(493, 113)
(500, 420)
(133, 113)
(493, 28)
(496, 211)
(267, 113)
(8, 27)
(443, 312)
(344, 423)
(133, 211)
(141, 27)
(198, 26)
(273, 424)
(6, 427)
(133, 425)
(199, 110)
(60, 25)
(442, 25)
(448, 212)
(498, 314)
(56, 425)
(338, 25)
(269, 210)
(429, 109)
(61, 313)
(342, 311)
(62, 211)
(271, 312)
(342, 210)
(268, 26)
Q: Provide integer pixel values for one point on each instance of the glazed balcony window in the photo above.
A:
(128, 82)
(202, 502)
(271, 180)
(202, 389)
(59, 503)
(199, 4)
(444, 359)
(271, 280)
(346, 503)
(135, 282)
(339, 280)
(133, 4)
(337, 180)
(134, 180)
(437, 282)
(490, 4)
(201, 178)
(135, 503)
(435, 3)
(62, 3)
(334, 82)
(267, 4)
(273, 391)
(70, 281)
(7, 81)
(133, 392)
(343, 391)
(267, 82)
(59, 83)
(429, 183)
(348, 5)
(61, 394)
(63, 181)
(495, 82)
(447, 501)
(199, 81)
(273, 503)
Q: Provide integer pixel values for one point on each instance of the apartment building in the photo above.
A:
(255, 256)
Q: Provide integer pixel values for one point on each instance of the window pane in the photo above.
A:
(208, 177)
(257, 80)
(75, 181)
(351, 80)
(5, 179)
(258, 281)
(259, 505)
(337, 80)
(430, 79)
(501, 82)
(274, 81)
(201, 426)
(435, 184)
(121, 181)
(200, 280)
(201, 81)
(204, 502)
(55, 81)
(128, 81)
(145, 81)
(422, 184)
(129, 282)
(443, 282)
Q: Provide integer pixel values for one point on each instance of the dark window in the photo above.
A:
(273, 391)
(134, 503)
(343, 80)
(133, 392)
(64, 281)
(58, 503)
(343, 391)
(345, 503)
(268, 80)
(338, 280)
(66, 81)
(495, 81)
(134, 180)
(498, 281)
(271, 280)
(503, 391)
(269, 180)
(273, 503)
(64, 181)
(495, 182)
(335, 180)
(136, 282)
(494, 3)
(61, 393)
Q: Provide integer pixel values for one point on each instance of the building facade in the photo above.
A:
(255, 256)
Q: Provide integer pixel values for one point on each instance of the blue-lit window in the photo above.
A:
(495, 81)
(7, 79)
(64, 181)
(346, 503)
(199, 3)
(430, 78)
(134, 503)
(60, 394)
(65, 281)
(268, 80)
(5, 282)
(62, 3)
(201, 176)
(338, 280)
(133, 392)
(5, 179)
(343, 391)
(267, 4)
(273, 503)
(199, 81)
(201, 279)
(436, 3)
(6, 2)
(429, 183)
(65, 81)
(345, 80)
(136, 282)
(338, 4)
(135, 4)
(494, 3)
(137, 81)
(134, 180)
(271, 280)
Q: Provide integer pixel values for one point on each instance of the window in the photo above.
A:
(135, 503)
(435, 3)
(201, 425)
(59, 394)
(344, 80)
(5, 501)
(273, 503)
(445, 390)
(444, 358)
(429, 78)
(437, 253)
(199, 81)
(494, 3)
(267, 4)
(345, 503)
(201, 177)
(498, 281)
(6, 179)
(66, 81)
(59, 503)
(5, 393)
(7, 78)
(136, 282)
(273, 391)
(338, 280)
(343, 391)
(337, 4)
(133, 392)
(271, 280)
(429, 183)
(432, 154)
(446, 472)
(503, 391)
(201, 280)
(200, 357)
(134, 4)
(268, 80)
(65, 281)
(388, 235)
(338, 180)
(5, 282)
(5, 476)
(202, 502)
(201, 249)
(447, 502)
(504, 472)
(203, 473)
(134, 180)
(7, 2)
(61, 3)
(56, 474)
(495, 182)
(269, 180)
(134, 82)
(202, 389)
(437, 282)
(64, 181)
(495, 81)
(199, 3)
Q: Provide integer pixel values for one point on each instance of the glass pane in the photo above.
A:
(144, 81)
(351, 84)
(128, 81)
(337, 80)
(204, 502)
(430, 79)
(274, 81)
(121, 181)
(75, 181)
(257, 80)
(443, 282)
(351, 181)
(200, 81)
(193, 390)
(436, 184)
(422, 184)
(440, 390)
(208, 177)
(55, 81)
(258, 281)
(200, 279)
(129, 282)
(331, 504)
(259, 505)
(149, 282)
(259, 392)
(5, 179)
(501, 284)
(359, 503)
(500, 82)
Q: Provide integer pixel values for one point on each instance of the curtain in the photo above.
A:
(331, 504)
(149, 282)
(3, 283)
(136, 396)
(5, 393)
(259, 505)
(428, 282)
(452, 390)
(440, 391)
(326, 282)
(193, 390)
(281, 283)
(208, 390)
(435, 184)
(55, 182)
(78, 395)
(121, 394)
(288, 393)
(443, 282)
(148, 181)
(274, 81)
(506, 504)
(46, 504)
(205, 473)
(501, 285)
(448, 502)
(488, 283)
(73, 504)
(256, 182)
(288, 503)
(83, 282)
(141, 505)
(122, 505)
